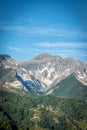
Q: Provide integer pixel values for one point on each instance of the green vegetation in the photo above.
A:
(34, 112)
(70, 87)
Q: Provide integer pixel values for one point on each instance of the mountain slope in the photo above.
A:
(25, 112)
(21, 110)
(40, 73)
(49, 69)
(69, 87)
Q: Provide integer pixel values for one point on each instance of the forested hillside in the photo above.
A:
(69, 88)
(34, 112)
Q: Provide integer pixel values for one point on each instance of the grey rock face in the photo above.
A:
(45, 68)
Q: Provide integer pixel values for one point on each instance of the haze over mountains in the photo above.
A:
(45, 74)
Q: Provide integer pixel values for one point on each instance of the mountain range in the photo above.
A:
(45, 93)
(45, 74)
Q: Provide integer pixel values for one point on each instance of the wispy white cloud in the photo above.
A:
(61, 49)
(63, 44)
(43, 30)
(17, 28)
(65, 52)
(84, 55)
(15, 49)
(30, 20)
(24, 50)
(65, 49)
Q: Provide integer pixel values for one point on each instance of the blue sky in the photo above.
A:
(31, 27)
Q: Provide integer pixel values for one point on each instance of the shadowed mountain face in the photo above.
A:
(4, 57)
(29, 85)
(41, 73)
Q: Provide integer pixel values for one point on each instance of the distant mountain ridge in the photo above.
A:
(41, 73)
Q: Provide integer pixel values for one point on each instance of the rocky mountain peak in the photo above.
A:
(42, 56)
(45, 56)
(4, 56)
(44, 68)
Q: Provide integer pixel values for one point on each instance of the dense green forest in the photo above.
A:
(24, 111)
(70, 87)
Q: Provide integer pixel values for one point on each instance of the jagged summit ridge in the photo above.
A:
(45, 56)
(45, 70)
(4, 56)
